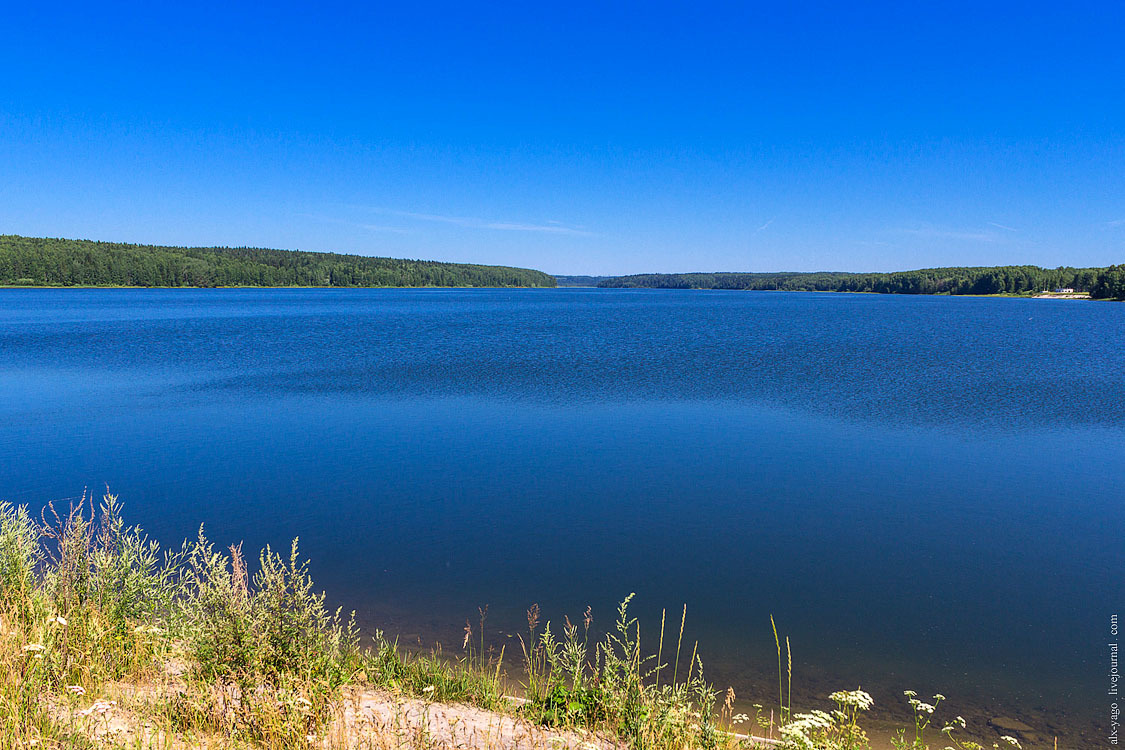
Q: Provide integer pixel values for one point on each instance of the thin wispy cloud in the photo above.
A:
(1002, 226)
(1115, 223)
(762, 228)
(942, 233)
(357, 224)
(381, 228)
(550, 227)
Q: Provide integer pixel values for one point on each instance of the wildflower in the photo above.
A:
(428, 689)
(924, 708)
(56, 620)
(797, 732)
(33, 648)
(957, 722)
(1012, 741)
(76, 689)
(855, 698)
(939, 697)
(909, 693)
(813, 720)
(740, 718)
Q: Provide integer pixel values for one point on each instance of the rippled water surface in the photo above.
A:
(926, 492)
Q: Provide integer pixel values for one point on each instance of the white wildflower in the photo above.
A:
(939, 697)
(33, 648)
(740, 718)
(56, 621)
(428, 689)
(855, 698)
(924, 708)
(909, 693)
(803, 723)
(76, 689)
(1012, 741)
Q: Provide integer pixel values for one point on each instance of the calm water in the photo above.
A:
(926, 492)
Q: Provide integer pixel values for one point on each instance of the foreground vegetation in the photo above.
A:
(105, 640)
(35, 261)
(1101, 283)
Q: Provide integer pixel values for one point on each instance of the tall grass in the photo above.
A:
(613, 685)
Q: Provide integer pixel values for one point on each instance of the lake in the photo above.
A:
(925, 492)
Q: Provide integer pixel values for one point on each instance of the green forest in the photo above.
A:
(1101, 283)
(34, 261)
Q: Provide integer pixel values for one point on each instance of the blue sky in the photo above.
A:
(584, 138)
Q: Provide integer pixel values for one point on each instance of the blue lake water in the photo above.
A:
(926, 492)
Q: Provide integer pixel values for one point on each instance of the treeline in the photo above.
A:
(580, 280)
(34, 261)
(1110, 284)
(1099, 282)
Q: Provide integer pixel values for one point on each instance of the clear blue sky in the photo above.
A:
(580, 139)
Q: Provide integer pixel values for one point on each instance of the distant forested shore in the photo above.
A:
(1100, 283)
(36, 261)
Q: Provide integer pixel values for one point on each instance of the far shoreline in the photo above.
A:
(1002, 295)
(121, 286)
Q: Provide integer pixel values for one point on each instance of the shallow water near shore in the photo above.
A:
(924, 491)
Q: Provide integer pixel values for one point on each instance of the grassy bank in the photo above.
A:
(108, 641)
